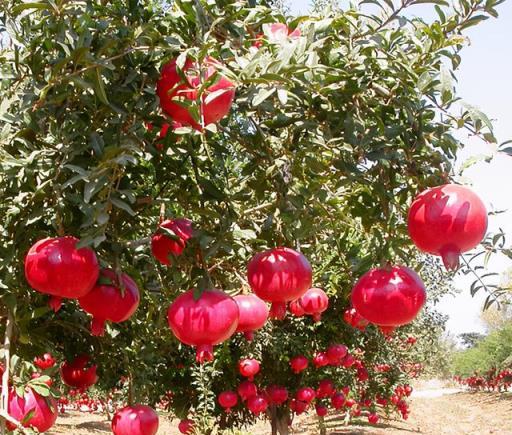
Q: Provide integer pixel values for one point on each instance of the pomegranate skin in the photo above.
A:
(186, 426)
(296, 308)
(321, 359)
(55, 267)
(278, 276)
(210, 320)
(305, 394)
(248, 368)
(247, 389)
(299, 364)
(228, 400)
(277, 394)
(257, 404)
(163, 246)
(314, 302)
(338, 400)
(106, 302)
(253, 314)
(135, 420)
(447, 220)
(44, 414)
(78, 374)
(171, 87)
(390, 296)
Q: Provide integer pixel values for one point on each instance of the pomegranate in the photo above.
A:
(253, 314)
(325, 389)
(390, 296)
(109, 302)
(338, 400)
(32, 410)
(299, 364)
(296, 308)
(45, 362)
(204, 322)
(249, 367)
(56, 267)
(163, 246)
(216, 100)
(277, 394)
(228, 400)
(247, 389)
(447, 221)
(321, 359)
(305, 394)
(348, 361)
(349, 403)
(373, 418)
(279, 275)
(362, 374)
(336, 353)
(78, 373)
(135, 420)
(314, 302)
(298, 406)
(257, 404)
(186, 426)
(354, 319)
(321, 410)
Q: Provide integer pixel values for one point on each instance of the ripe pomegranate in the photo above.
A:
(321, 359)
(305, 394)
(296, 308)
(391, 296)
(279, 275)
(249, 367)
(362, 374)
(373, 418)
(253, 314)
(257, 404)
(348, 361)
(204, 322)
(447, 221)
(186, 426)
(32, 410)
(55, 266)
(314, 302)
(228, 400)
(135, 420)
(216, 100)
(338, 400)
(321, 410)
(298, 406)
(354, 319)
(78, 373)
(299, 363)
(247, 389)
(45, 362)
(336, 353)
(325, 389)
(277, 394)
(163, 246)
(109, 301)
(349, 403)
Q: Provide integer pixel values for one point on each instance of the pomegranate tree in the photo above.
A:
(278, 276)
(447, 220)
(56, 267)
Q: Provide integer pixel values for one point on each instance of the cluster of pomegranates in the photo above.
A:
(493, 380)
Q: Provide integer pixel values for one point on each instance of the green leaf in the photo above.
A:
(99, 86)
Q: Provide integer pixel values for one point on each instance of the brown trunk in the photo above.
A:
(321, 426)
(279, 422)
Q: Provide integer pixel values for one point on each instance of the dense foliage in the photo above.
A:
(330, 137)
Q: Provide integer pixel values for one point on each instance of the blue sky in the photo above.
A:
(484, 80)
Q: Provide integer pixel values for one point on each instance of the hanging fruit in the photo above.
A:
(164, 246)
(253, 314)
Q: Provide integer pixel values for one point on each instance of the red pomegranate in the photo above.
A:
(321, 410)
(325, 389)
(277, 394)
(321, 359)
(247, 389)
(78, 373)
(228, 400)
(338, 400)
(373, 418)
(45, 362)
(362, 374)
(248, 368)
(279, 275)
(305, 394)
(336, 353)
(299, 364)
(348, 361)
(56, 267)
(186, 426)
(32, 410)
(107, 301)
(253, 314)
(354, 319)
(216, 100)
(314, 302)
(298, 406)
(257, 404)
(391, 296)
(204, 322)
(447, 221)
(164, 246)
(135, 420)
(296, 308)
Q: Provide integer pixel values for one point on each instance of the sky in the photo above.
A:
(483, 81)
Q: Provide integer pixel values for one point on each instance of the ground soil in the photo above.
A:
(434, 411)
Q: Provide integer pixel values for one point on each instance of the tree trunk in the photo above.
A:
(279, 422)
(321, 426)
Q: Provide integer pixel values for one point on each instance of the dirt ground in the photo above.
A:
(433, 411)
